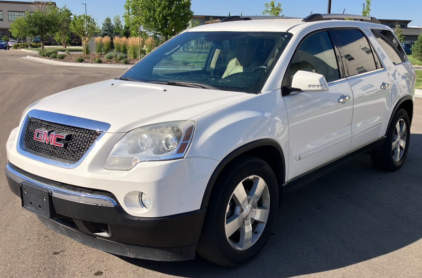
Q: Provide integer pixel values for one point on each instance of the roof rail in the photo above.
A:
(320, 17)
(240, 18)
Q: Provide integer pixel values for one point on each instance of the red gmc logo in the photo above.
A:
(49, 137)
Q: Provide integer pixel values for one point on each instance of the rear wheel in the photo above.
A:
(241, 213)
(392, 154)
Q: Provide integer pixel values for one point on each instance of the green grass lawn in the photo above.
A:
(418, 79)
(414, 61)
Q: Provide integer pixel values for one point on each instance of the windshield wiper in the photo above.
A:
(191, 85)
(127, 79)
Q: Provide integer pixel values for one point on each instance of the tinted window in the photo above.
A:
(358, 54)
(315, 54)
(390, 45)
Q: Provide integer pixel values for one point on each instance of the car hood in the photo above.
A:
(127, 105)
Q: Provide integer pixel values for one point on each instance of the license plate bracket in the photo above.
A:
(36, 200)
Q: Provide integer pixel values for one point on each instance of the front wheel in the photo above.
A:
(241, 213)
(392, 154)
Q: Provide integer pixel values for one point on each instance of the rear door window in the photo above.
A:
(391, 45)
(357, 52)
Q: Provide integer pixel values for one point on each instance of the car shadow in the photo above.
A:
(351, 215)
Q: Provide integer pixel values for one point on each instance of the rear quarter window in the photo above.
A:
(391, 45)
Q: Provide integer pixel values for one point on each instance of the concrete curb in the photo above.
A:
(30, 51)
(66, 64)
(418, 93)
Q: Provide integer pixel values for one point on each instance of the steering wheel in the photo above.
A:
(260, 68)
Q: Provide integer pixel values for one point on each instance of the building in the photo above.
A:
(411, 34)
(11, 10)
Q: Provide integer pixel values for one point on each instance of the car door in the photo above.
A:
(370, 86)
(319, 122)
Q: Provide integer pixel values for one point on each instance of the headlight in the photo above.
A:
(154, 142)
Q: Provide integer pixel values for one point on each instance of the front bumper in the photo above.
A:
(95, 218)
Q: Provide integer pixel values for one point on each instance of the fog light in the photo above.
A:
(145, 200)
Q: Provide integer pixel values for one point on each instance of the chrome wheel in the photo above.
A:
(399, 140)
(247, 212)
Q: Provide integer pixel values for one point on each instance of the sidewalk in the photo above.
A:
(418, 93)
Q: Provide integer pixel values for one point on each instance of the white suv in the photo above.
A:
(191, 149)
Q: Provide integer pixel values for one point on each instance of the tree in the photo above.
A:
(417, 48)
(399, 33)
(273, 9)
(118, 27)
(77, 26)
(108, 28)
(43, 21)
(126, 31)
(63, 33)
(19, 28)
(164, 17)
(367, 10)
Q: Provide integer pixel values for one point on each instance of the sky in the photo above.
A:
(384, 9)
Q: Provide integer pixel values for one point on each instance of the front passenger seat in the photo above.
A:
(243, 61)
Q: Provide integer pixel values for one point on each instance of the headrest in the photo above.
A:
(245, 54)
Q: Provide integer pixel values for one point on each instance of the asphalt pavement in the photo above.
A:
(354, 222)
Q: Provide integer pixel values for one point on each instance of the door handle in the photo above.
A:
(343, 99)
(385, 86)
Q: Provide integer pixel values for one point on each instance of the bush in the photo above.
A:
(98, 60)
(5, 38)
(61, 56)
(133, 47)
(79, 59)
(35, 45)
(417, 48)
(20, 45)
(99, 45)
(42, 53)
(67, 52)
(121, 56)
(149, 45)
(50, 52)
(53, 55)
(106, 44)
(125, 61)
(109, 56)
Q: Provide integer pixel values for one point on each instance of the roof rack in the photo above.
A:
(320, 17)
(240, 18)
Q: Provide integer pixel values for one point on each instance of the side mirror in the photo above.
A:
(309, 81)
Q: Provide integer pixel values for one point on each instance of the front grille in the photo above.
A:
(75, 148)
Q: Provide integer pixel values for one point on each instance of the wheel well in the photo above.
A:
(267, 150)
(408, 106)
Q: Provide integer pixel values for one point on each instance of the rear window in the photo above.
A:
(391, 45)
(358, 54)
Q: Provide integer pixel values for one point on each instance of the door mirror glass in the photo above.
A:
(309, 81)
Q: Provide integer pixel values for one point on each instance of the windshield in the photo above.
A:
(232, 61)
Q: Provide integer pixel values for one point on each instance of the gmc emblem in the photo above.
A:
(49, 137)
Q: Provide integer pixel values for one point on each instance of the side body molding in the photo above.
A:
(248, 148)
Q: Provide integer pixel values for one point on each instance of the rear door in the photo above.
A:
(319, 122)
(370, 84)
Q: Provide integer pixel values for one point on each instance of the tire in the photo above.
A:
(392, 154)
(235, 231)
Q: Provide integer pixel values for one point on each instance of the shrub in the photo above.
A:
(5, 38)
(35, 45)
(53, 55)
(106, 44)
(123, 41)
(79, 59)
(20, 45)
(99, 45)
(149, 45)
(98, 60)
(67, 52)
(133, 47)
(42, 53)
(125, 61)
(121, 56)
(117, 44)
(50, 52)
(61, 56)
(109, 56)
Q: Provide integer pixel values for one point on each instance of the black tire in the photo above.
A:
(383, 158)
(213, 244)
